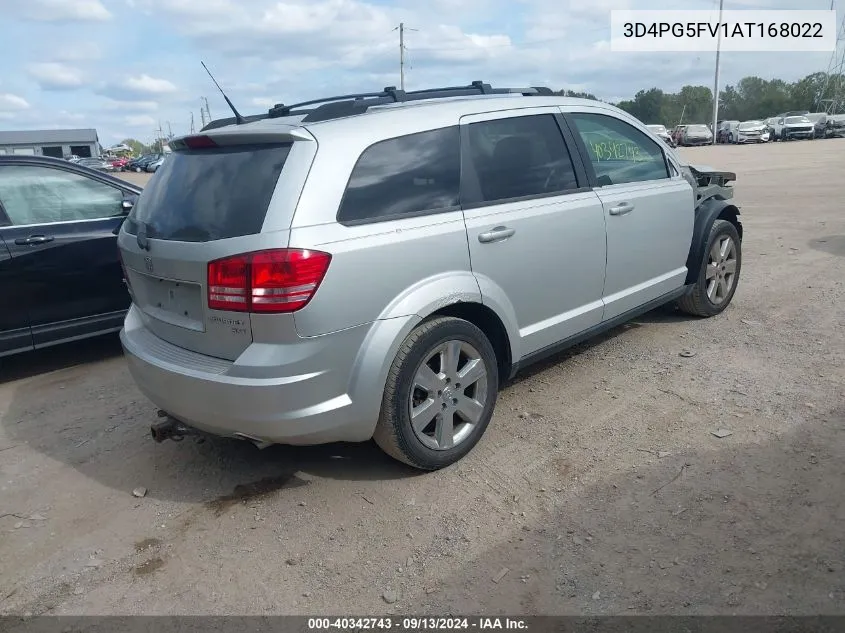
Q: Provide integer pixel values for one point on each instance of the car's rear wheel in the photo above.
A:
(440, 394)
(719, 273)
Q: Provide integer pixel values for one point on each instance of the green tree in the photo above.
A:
(575, 94)
(136, 146)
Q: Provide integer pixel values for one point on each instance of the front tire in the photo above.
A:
(440, 394)
(718, 276)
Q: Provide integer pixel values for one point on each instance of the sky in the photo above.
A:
(124, 67)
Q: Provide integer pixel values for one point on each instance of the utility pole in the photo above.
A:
(169, 131)
(716, 81)
(192, 122)
(202, 112)
(401, 56)
(207, 111)
(401, 28)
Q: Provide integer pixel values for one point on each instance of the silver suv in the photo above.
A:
(378, 265)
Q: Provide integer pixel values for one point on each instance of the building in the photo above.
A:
(56, 143)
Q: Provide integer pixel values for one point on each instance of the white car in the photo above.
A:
(751, 132)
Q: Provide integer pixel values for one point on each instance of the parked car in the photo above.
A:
(139, 164)
(153, 166)
(819, 121)
(119, 163)
(696, 135)
(95, 163)
(265, 312)
(835, 126)
(677, 134)
(792, 127)
(726, 132)
(73, 158)
(751, 132)
(663, 133)
(59, 263)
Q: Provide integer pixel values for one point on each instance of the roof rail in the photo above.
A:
(357, 103)
(352, 104)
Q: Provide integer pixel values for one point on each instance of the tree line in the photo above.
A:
(750, 98)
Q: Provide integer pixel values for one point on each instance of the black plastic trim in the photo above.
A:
(538, 196)
(589, 333)
(398, 216)
(65, 331)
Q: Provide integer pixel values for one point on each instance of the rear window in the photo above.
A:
(210, 194)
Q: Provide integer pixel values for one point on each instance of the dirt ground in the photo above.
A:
(599, 487)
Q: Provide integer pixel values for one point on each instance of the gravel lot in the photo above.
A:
(598, 488)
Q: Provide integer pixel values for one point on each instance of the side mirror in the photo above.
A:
(127, 205)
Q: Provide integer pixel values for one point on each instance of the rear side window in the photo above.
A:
(518, 157)
(210, 194)
(619, 152)
(408, 175)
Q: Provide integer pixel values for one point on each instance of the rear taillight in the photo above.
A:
(281, 280)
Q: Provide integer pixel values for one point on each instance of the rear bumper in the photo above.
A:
(296, 393)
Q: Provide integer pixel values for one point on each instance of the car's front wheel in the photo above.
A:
(440, 394)
(719, 273)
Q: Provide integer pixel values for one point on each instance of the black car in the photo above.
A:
(139, 164)
(60, 273)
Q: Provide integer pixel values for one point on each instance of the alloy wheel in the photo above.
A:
(448, 395)
(721, 269)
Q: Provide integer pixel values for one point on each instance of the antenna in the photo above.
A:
(238, 118)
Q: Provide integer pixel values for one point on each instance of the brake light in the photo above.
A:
(280, 280)
(199, 142)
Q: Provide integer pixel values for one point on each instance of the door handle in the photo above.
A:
(623, 208)
(496, 234)
(33, 240)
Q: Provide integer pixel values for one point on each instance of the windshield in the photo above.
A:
(797, 119)
(699, 129)
(747, 125)
(209, 194)
(658, 129)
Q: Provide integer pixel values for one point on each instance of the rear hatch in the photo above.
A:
(207, 202)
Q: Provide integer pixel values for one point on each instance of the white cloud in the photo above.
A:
(78, 52)
(56, 76)
(10, 102)
(139, 120)
(263, 102)
(61, 10)
(148, 85)
(138, 106)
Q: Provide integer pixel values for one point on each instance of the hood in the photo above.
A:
(756, 128)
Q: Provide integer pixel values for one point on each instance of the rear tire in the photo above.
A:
(718, 274)
(430, 418)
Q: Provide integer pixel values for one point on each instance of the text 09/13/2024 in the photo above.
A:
(703, 31)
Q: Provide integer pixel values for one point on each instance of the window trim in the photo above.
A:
(585, 156)
(6, 220)
(400, 216)
(470, 187)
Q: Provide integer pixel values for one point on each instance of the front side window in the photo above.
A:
(619, 152)
(520, 156)
(402, 176)
(31, 194)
